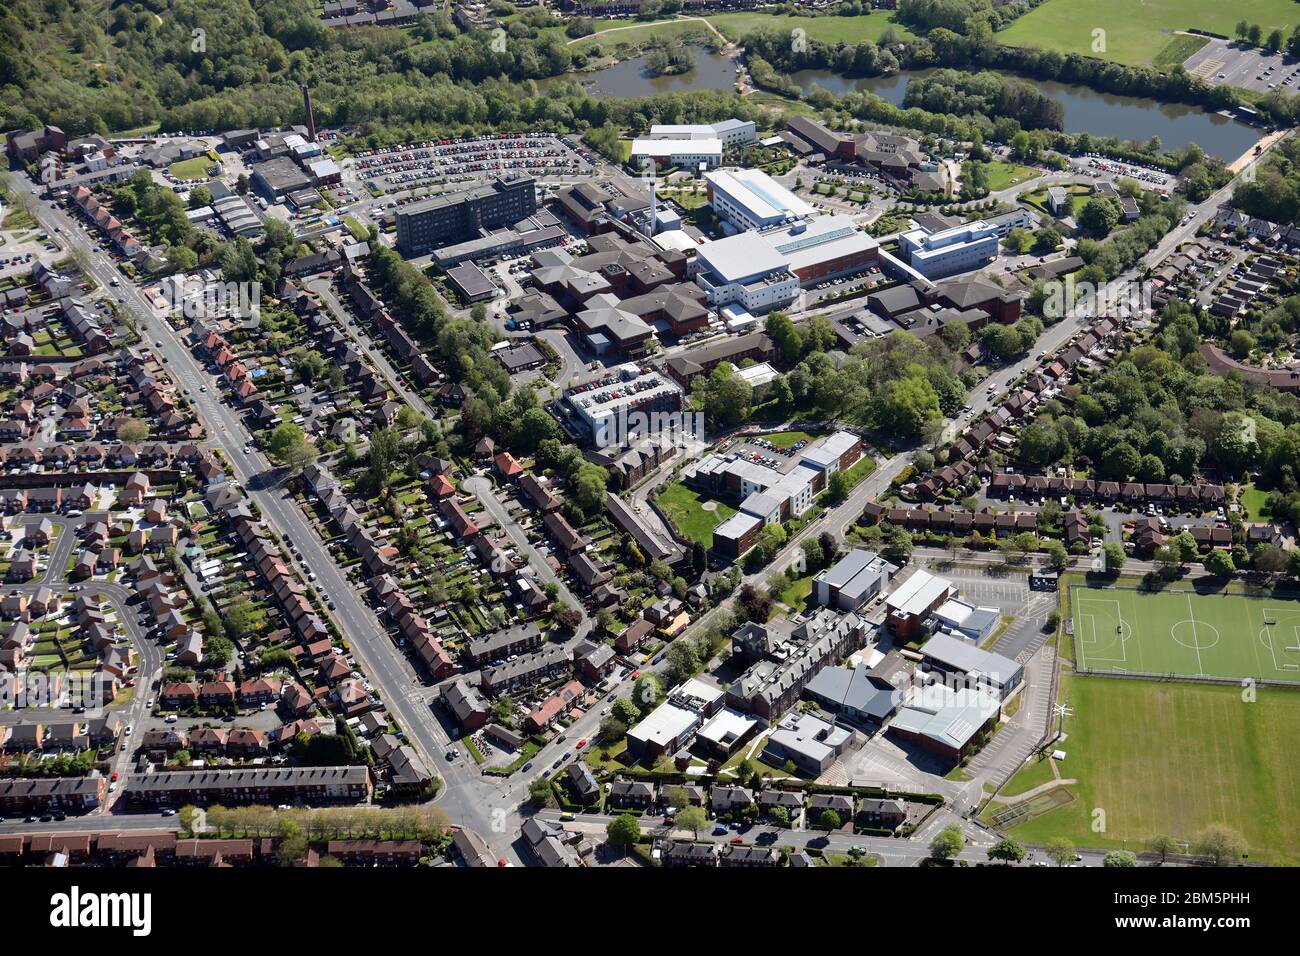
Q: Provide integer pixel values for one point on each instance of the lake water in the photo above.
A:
(712, 71)
(1086, 111)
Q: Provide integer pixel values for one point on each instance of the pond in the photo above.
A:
(1086, 111)
(712, 71)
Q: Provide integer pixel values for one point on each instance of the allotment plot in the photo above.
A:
(1185, 634)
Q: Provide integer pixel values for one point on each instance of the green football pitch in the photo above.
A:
(1186, 634)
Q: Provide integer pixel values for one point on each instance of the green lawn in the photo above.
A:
(1252, 501)
(1166, 758)
(1033, 774)
(355, 229)
(196, 168)
(797, 595)
(1080, 193)
(1181, 632)
(1005, 175)
(686, 509)
(787, 439)
(1177, 50)
(865, 466)
(1137, 31)
(631, 31)
(773, 101)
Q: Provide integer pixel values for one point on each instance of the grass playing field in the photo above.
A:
(1137, 31)
(1181, 632)
(1170, 759)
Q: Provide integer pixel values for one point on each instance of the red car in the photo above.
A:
(113, 779)
(737, 840)
(582, 743)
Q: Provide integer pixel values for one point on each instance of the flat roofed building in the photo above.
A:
(278, 178)
(462, 216)
(912, 601)
(732, 132)
(751, 199)
(737, 534)
(946, 721)
(967, 620)
(955, 657)
(725, 731)
(811, 743)
(853, 580)
(669, 727)
(622, 402)
(471, 283)
(757, 376)
(960, 249)
(765, 270)
(692, 153)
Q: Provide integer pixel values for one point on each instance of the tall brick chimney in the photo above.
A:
(311, 119)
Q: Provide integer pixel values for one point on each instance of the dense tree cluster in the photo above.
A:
(1159, 415)
(1274, 191)
(62, 62)
(966, 94)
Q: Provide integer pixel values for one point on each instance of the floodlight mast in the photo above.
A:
(1062, 711)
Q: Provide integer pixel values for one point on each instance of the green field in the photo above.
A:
(1137, 31)
(1184, 633)
(687, 511)
(637, 33)
(787, 439)
(1005, 175)
(1171, 759)
(1253, 501)
(827, 29)
(1080, 193)
(196, 168)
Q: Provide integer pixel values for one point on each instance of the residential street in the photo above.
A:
(391, 674)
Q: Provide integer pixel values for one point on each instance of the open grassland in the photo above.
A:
(639, 33)
(1005, 175)
(1171, 759)
(1137, 31)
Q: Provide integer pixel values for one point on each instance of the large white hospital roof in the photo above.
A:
(820, 240)
(805, 243)
(676, 147)
(759, 193)
(739, 257)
